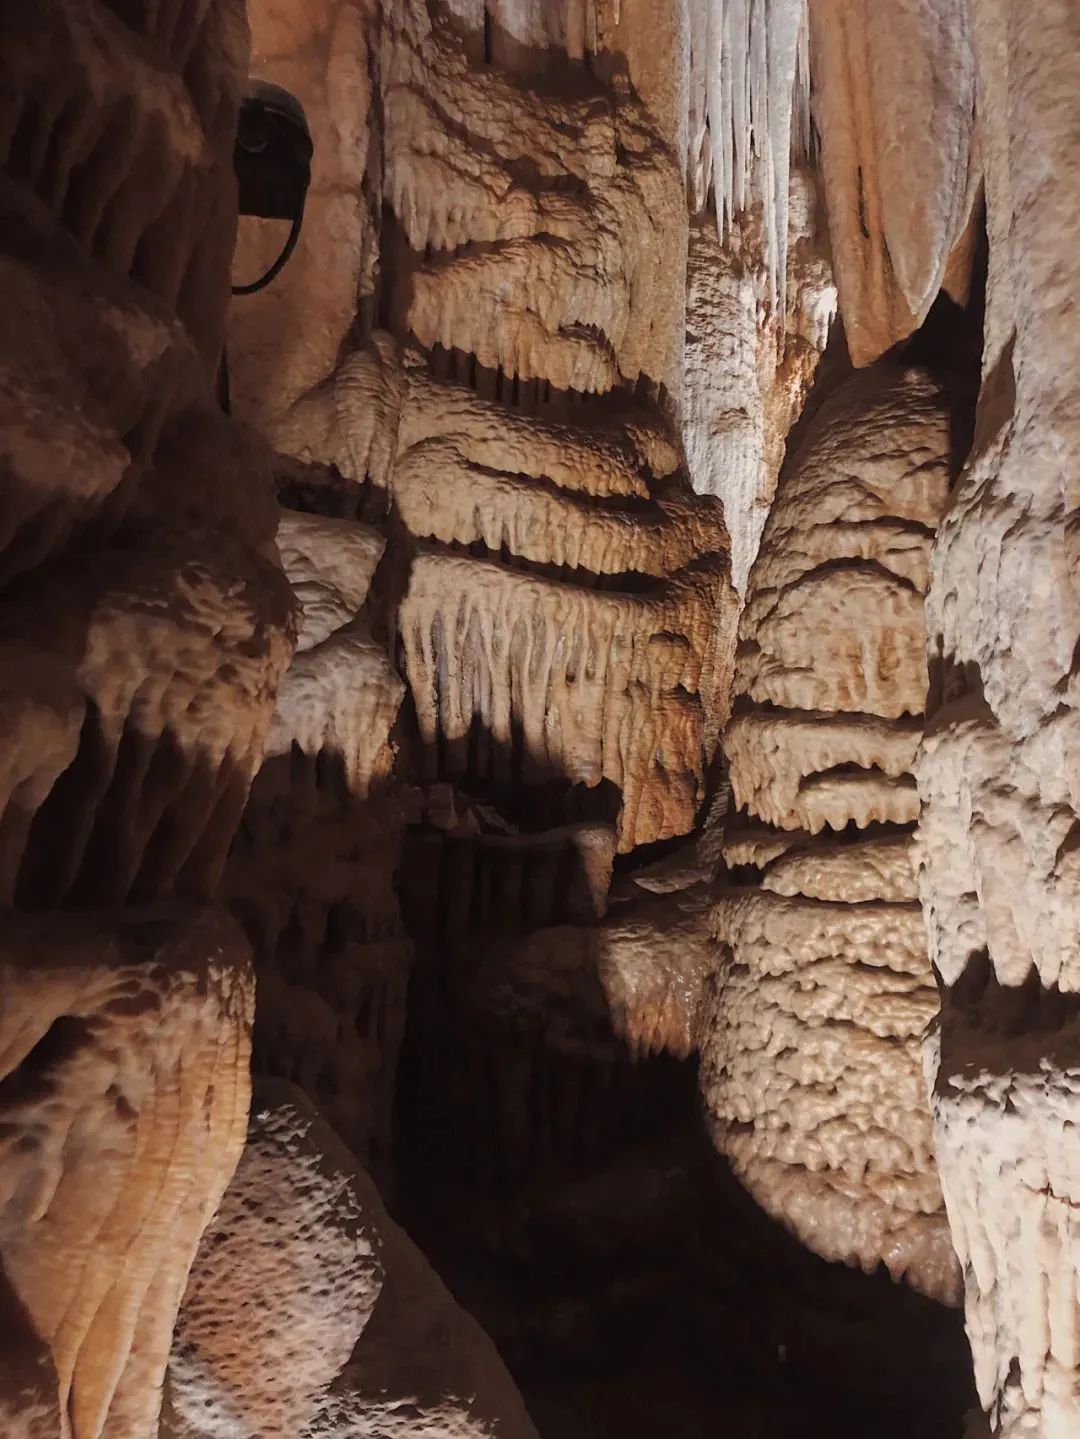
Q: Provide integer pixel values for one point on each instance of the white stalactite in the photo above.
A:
(749, 112)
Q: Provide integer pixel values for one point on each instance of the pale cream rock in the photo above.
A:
(440, 495)
(520, 489)
(341, 698)
(349, 420)
(747, 368)
(540, 262)
(617, 452)
(789, 768)
(846, 552)
(124, 1047)
(329, 564)
(811, 1073)
(812, 1024)
(748, 115)
(854, 873)
(1006, 1107)
(999, 877)
(341, 694)
(894, 104)
(574, 277)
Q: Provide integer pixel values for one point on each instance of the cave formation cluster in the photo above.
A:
(540, 768)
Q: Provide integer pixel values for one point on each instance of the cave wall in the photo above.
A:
(575, 655)
(145, 626)
(996, 772)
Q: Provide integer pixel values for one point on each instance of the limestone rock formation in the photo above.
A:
(747, 366)
(508, 628)
(811, 1062)
(284, 1282)
(312, 872)
(310, 1314)
(285, 341)
(749, 101)
(997, 772)
(540, 216)
(148, 665)
(125, 1047)
(144, 625)
(894, 105)
(527, 639)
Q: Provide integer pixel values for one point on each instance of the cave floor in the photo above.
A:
(644, 1293)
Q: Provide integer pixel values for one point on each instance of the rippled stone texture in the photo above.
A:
(811, 1035)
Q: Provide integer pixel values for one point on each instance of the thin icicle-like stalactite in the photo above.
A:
(749, 112)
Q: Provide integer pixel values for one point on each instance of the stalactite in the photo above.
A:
(750, 116)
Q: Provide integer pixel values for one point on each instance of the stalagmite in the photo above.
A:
(810, 1040)
(551, 696)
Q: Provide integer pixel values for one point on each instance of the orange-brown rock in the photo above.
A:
(288, 339)
(124, 1047)
(144, 625)
(568, 682)
(312, 872)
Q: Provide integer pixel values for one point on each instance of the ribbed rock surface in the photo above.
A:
(285, 1279)
(144, 625)
(567, 614)
(811, 1035)
(538, 214)
(999, 878)
(567, 683)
